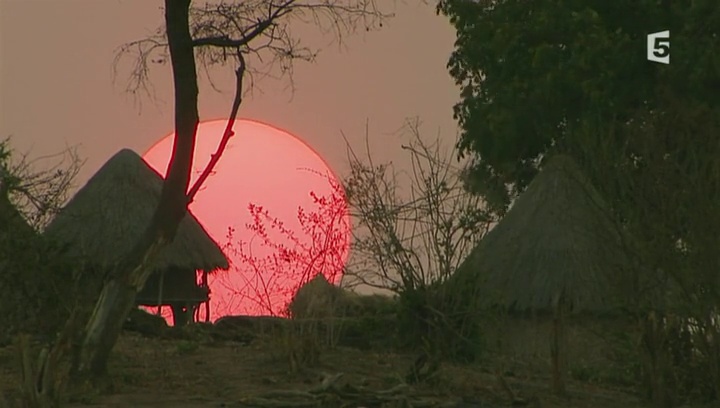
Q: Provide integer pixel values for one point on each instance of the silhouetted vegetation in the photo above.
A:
(36, 292)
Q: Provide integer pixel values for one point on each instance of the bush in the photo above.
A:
(36, 297)
(38, 285)
(439, 321)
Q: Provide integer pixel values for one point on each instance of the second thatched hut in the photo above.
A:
(108, 215)
(556, 251)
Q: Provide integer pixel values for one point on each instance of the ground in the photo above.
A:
(152, 372)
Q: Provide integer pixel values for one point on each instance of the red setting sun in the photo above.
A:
(274, 206)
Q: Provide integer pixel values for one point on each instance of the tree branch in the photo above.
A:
(255, 30)
(215, 157)
(260, 29)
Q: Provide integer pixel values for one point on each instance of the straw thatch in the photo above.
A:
(109, 214)
(316, 299)
(556, 239)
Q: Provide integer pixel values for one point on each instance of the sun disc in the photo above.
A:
(258, 206)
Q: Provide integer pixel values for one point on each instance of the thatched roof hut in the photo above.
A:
(557, 238)
(556, 249)
(109, 214)
(105, 218)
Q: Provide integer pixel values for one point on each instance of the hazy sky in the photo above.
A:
(56, 83)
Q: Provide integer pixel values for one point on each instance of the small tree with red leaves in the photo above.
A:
(294, 255)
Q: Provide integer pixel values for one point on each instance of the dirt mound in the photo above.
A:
(318, 299)
(142, 322)
(245, 329)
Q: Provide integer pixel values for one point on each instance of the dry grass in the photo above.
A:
(186, 373)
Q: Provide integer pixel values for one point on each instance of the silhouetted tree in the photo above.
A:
(532, 74)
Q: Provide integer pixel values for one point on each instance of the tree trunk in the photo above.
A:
(160, 292)
(118, 295)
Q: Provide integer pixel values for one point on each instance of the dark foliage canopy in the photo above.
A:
(530, 72)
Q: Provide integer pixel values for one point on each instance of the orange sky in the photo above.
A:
(56, 83)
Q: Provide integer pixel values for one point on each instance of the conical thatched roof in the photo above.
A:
(556, 238)
(109, 214)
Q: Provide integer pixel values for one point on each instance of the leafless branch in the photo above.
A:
(259, 29)
(38, 186)
(403, 242)
(215, 157)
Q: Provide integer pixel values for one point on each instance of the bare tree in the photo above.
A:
(410, 242)
(212, 34)
(408, 239)
(39, 186)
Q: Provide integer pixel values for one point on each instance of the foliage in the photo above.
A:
(373, 325)
(37, 295)
(531, 72)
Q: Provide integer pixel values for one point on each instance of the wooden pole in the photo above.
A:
(207, 302)
(160, 291)
(558, 349)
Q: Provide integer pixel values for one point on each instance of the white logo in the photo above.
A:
(658, 47)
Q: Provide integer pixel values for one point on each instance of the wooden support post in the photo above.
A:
(558, 346)
(207, 302)
(160, 291)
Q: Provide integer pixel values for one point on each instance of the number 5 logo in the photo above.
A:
(658, 47)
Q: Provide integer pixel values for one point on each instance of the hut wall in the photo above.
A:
(180, 285)
(597, 347)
